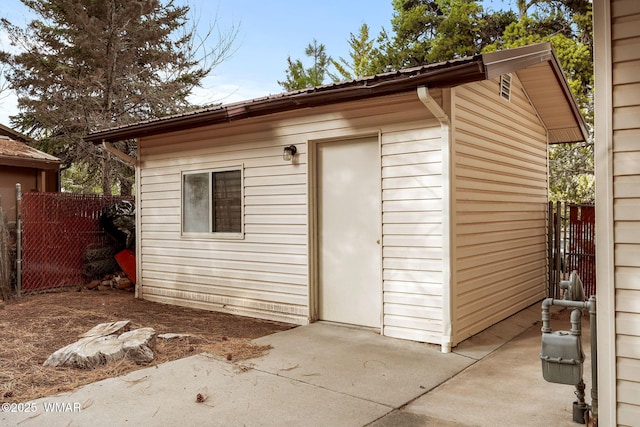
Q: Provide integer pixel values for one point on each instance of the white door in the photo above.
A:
(349, 232)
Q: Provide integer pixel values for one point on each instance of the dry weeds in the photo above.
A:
(33, 327)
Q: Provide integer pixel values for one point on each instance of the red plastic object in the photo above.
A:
(127, 262)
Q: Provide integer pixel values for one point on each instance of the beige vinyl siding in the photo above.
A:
(499, 206)
(263, 275)
(412, 230)
(626, 205)
(267, 273)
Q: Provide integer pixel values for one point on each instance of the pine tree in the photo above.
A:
(428, 31)
(360, 63)
(299, 77)
(85, 65)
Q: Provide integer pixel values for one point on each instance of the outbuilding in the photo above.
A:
(411, 202)
(20, 163)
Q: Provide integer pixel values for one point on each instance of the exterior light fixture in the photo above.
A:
(289, 152)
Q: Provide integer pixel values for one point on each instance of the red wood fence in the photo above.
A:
(572, 245)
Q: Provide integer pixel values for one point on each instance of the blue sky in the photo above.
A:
(269, 32)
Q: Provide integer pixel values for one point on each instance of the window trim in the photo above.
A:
(212, 234)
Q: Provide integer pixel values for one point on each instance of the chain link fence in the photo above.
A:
(63, 241)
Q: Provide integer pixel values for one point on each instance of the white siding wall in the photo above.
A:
(262, 275)
(412, 228)
(626, 205)
(266, 274)
(499, 205)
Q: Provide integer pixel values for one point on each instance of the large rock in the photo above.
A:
(138, 345)
(104, 329)
(104, 343)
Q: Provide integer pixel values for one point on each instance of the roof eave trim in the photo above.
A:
(501, 62)
(447, 76)
(25, 162)
(571, 100)
(504, 61)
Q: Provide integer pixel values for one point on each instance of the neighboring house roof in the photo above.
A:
(13, 134)
(536, 65)
(19, 154)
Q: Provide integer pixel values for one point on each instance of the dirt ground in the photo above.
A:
(32, 327)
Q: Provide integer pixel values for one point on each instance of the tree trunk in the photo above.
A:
(106, 174)
(126, 187)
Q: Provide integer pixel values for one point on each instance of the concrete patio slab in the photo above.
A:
(505, 388)
(330, 375)
(489, 340)
(167, 396)
(359, 362)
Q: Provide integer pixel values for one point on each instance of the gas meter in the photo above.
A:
(561, 352)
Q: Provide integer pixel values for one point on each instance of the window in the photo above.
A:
(212, 201)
